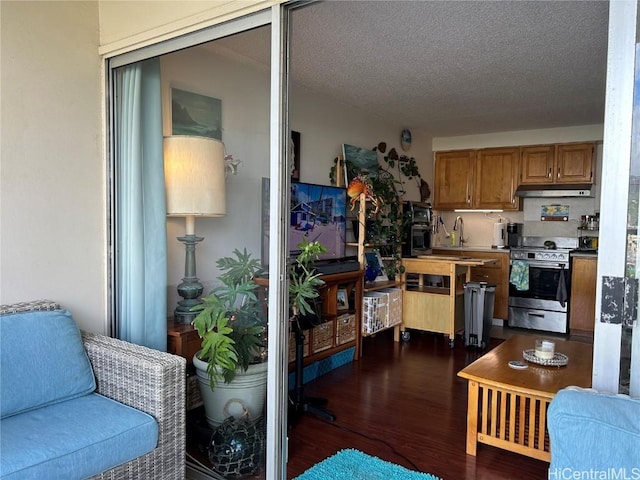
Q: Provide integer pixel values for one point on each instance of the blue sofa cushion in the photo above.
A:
(594, 431)
(42, 361)
(74, 439)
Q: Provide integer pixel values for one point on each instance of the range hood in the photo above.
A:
(551, 190)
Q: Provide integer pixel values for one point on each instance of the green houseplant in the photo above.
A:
(232, 323)
(385, 227)
(304, 280)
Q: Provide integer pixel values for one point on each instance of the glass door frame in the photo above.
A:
(278, 17)
(614, 192)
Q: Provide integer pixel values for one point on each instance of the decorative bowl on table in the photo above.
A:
(558, 359)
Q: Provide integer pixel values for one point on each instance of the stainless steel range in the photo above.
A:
(539, 288)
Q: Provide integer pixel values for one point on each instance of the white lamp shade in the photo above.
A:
(194, 176)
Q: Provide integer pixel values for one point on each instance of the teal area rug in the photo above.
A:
(352, 464)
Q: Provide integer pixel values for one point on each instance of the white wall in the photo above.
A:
(244, 91)
(243, 87)
(325, 125)
(52, 184)
(478, 227)
(131, 24)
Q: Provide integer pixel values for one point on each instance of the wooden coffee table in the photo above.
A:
(507, 408)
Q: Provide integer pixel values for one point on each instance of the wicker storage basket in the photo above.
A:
(194, 399)
(394, 306)
(322, 337)
(292, 346)
(345, 328)
(374, 312)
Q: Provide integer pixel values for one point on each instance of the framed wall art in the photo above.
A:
(295, 155)
(195, 114)
(362, 158)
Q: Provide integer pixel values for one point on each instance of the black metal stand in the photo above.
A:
(300, 404)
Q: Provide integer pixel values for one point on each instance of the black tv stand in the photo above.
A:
(298, 402)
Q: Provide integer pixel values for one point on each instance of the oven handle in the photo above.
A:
(552, 266)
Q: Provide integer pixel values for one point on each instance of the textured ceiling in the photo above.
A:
(451, 67)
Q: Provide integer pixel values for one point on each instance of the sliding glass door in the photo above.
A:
(616, 361)
(209, 67)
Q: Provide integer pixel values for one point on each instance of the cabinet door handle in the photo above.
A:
(558, 172)
(549, 174)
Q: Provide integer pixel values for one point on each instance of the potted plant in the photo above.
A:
(232, 323)
(304, 280)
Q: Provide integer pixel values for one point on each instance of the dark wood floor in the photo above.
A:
(403, 403)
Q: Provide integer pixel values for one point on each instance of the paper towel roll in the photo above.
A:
(498, 234)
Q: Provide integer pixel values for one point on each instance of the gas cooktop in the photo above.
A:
(546, 249)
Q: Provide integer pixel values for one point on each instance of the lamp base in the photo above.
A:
(190, 288)
(183, 314)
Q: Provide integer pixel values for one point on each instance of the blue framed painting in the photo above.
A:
(362, 158)
(195, 114)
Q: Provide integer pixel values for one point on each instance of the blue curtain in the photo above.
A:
(141, 255)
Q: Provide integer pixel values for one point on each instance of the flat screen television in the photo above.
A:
(318, 212)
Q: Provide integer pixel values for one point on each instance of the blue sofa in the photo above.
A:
(594, 432)
(78, 405)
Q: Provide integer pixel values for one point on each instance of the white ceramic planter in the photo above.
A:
(246, 393)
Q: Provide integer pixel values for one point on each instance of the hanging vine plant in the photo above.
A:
(384, 228)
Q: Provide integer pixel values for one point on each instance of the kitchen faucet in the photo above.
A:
(459, 227)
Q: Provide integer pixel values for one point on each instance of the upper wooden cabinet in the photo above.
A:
(496, 179)
(479, 179)
(453, 178)
(565, 164)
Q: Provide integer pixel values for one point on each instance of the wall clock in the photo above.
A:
(405, 140)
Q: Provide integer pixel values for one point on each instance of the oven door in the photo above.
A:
(544, 280)
(544, 305)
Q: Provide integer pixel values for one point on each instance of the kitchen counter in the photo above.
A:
(472, 248)
(585, 253)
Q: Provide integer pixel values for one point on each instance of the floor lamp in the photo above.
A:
(194, 173)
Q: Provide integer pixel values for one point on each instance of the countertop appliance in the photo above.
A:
(514, 234)
(417, 236)
(543, 304)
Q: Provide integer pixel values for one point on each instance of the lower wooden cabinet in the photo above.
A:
(582, 307)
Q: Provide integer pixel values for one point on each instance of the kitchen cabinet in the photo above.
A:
(582, 305)
(496, 179)
(567, 163)
(477, 179)
(496, 273)
(453, 179)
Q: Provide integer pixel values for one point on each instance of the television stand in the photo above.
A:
(299, 403)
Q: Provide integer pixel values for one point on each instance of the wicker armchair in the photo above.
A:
(153, 382)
